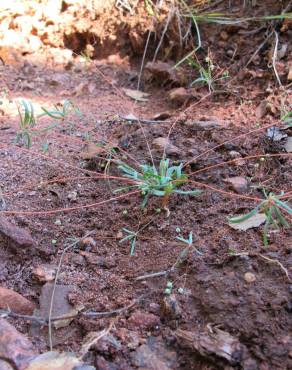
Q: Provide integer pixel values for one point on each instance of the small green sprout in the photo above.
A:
(161, 183)
(189, 243)
(169, 287)
(271, 206)
(207, 74)
(287, 118)
(60, 113)
(132, 237)
(27, 122)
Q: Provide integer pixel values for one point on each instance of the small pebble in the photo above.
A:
(249, 277)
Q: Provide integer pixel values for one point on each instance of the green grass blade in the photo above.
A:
(238, 219)
(281, 218)
(133, 245)
(284, 205)
(266, 227)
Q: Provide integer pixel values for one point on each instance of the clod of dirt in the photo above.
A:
(44, 273)
(61, 306)
(249, 277)
(94, 260)
(170, 308)
(262, 109)
(164, 73)
(18, 238)
(143, 320)
(212, 343)
(15, 348)
(88, 243)
(162, 142)
(9, 299)
(238, 184)
(131, 338)
(180, 96)
(161, 116)
(107, 344)
(206, 124)
(57, 361)
(136, 95)
(154, 355)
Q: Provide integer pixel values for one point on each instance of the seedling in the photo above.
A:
(271, 206)
(132, 236)
(287, 118)
(60, 113)
(189, 243)
(207, 74)
(161, 183)
(168, 289)
(27, 122)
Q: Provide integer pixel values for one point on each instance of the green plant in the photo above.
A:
(287, 118)
(27, 122)
(60, 113)
(207, 74)
(271, 206)
(161, 182)
(189, 243)
(169, 287)
(132, 237)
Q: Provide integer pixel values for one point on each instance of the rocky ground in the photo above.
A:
(226, 302)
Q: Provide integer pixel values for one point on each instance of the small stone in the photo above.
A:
(44, 273)
(102, 364)
(93, 259)
(77, 259)
(204, 124)
(180, 96)
(249, 277)
(143, 320)
(14, 347)
(262, 109)
(72, 196)
(88, 242)
(165, 73)
(224, 35)
(17, 237)
(57, 361)
(230, 53)
(288, 145)
(234, 154)
(9, 299)
(154, 307)
(238, 184)
(154, 355)
(61, 306)
(161, 142)
(108, 344)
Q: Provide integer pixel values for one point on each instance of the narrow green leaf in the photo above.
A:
(235, 220)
